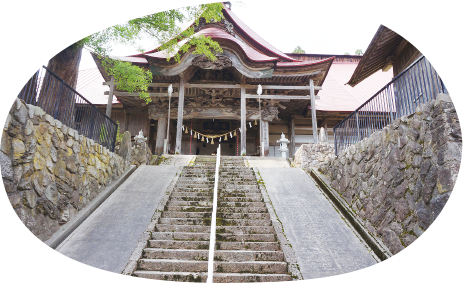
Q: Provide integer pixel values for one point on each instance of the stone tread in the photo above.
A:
(175, 265)
(218, 277)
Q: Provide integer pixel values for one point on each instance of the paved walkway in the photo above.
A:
(324, 245)
(108, 237)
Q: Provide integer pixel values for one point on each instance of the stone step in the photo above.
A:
(189, 208)
(238, 187)
(219, 222)
(239, 204)
(204, 245)
(218, 277)
(237, 230)
(175, 265)
(189, 221)
(186, 185)
(256, 209)
(243, 222)
(224, 215)
(220, 194)
(181, 236)
(179, 214)
(224, 237)
(240, 199)
(182, 198)
(211, 190)
(190, 203)
(203, 255)
(243, 215)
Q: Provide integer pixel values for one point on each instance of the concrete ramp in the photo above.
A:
(322, 241)
(107, 238)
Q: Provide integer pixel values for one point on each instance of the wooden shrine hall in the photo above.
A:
(218, 101)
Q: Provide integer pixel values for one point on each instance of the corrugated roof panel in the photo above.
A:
(336, 95)
(90, 85)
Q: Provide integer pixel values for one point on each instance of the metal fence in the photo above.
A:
(49, 92)
(417, 84)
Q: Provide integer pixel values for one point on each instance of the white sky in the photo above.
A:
(286, 27)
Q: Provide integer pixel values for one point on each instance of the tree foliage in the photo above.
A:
(165, 29)
(298, 49)
(358, 52)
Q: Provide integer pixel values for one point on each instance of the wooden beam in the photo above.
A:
(135, 94)
(280, 97)
(189, 85)
(288, 87)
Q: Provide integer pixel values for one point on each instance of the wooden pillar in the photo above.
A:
(314, 112)
(161, 135)
(181, 94)
(109, 106)
(243, 119)
(265, 137)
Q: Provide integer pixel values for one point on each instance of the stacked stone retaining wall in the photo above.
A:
(313, 155)
(398, 180)
(49, 171)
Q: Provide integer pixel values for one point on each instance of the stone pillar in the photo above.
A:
(293, 138)
(314, 112)
(161, 135)
(243, 120)
(268, 114)
(181, 94)
(265, 137)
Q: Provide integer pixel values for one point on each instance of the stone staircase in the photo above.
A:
(246, 250)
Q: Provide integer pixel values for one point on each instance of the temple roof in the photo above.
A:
(258, 57)
(383, 45)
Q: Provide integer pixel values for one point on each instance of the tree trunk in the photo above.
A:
(55, 98)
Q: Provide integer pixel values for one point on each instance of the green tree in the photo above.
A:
(163, 27)
(358, 52)
(346, 53)
(298, 49)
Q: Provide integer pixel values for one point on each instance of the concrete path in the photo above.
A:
(108, 237)
(323, 243)
(267, 162)
(176, 160)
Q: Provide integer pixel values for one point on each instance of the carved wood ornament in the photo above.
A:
(223, 25)
(204, 63)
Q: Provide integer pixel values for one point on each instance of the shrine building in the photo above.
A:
(217, 101)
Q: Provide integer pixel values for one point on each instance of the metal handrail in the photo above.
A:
(61, 101)
(417, 84)
(210, 264)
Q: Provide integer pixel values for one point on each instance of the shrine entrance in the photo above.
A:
(202, 137)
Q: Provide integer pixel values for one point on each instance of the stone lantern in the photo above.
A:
(283, 145)
(140, 138)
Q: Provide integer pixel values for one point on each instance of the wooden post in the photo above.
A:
(243, 119)
(181, 94)
(109, 106)
(161, 135)
(314, 112)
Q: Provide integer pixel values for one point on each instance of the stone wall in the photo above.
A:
(398, 180)
(49, 171)
(313, 155)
